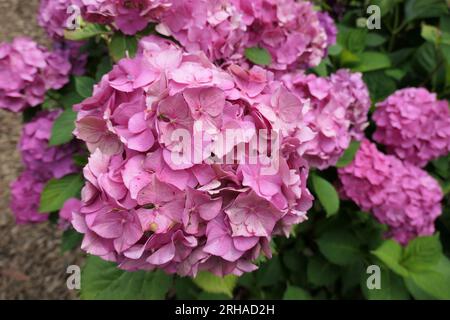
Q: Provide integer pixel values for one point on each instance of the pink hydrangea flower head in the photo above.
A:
(414, 125)
(65, 213)
(38, 156)
(328, 24)
(337, 113)
(53, 16)
(128, 16)
(154, 199)
(291, 31)
(27, 71)
(404, 197)
(25, 198)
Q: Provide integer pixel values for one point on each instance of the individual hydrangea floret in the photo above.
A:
(155, 201)
(65, 213)
(404, 197)
(414, 125)
(27, 71)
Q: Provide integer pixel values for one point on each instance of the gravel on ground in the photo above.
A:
(31, 263)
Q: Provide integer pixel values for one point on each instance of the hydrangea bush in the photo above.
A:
(238, 149)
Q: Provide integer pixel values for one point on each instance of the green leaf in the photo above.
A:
(353, 39)
(349, 154)
(442, 166)
(374, 39)
(371, 61)
(386, 6)
(320, 272)
(339, 247)
(270, 273)
(103, 67)
(85, 31)
(80, 160)
(258, 56)
(397, 74)
(422, 253)
(415, 291)
(63, 127)
(214, 284)
(392, 287)
(122, 46)
(70, 240)
(348, 58)
(57, 191)
(434, 282)
(380, 85)
(102, 280)
(296, 293)
(321, 69)
(335, 50)
(327, 194)
(84, 86)
(71, 98)
(425, 58)
(390, 253)
(430, 33)
(212, 296)
(420, 9)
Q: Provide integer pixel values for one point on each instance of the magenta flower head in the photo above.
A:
(337, 112)
(291, 31)
(328, 24)
(128, 16)
(174, 180)
(38, 156)
(413, 125)
(65, 214)
(27, 71)
(398, 194)
(25, 198)
(53, 16)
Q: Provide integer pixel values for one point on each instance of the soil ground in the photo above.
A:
(31, 263)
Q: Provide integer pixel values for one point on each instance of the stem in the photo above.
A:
(396, 29)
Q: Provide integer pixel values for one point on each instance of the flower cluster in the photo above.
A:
(129, 16)
(25, 198)
(27, 71)
(41, 163)
(291, 31)
(53, 17)
(166, 186)
(328, 24)
(37, 155)
(337, 113)
(414, 125)
(400, 195)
